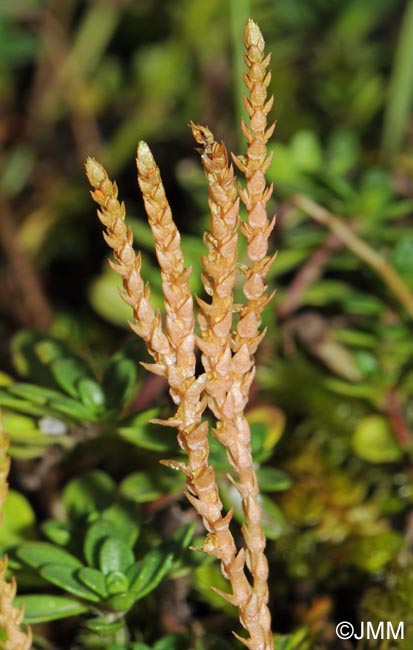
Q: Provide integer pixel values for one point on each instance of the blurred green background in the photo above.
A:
(92, 78)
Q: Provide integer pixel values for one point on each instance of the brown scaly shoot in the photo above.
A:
(12, 637)
(179, 369)
(118, 236)
(230, 375)
(257, 230)
(255, 196)
(173, 351)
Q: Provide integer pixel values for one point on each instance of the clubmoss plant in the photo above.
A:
(230, 334)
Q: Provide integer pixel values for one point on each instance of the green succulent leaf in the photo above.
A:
(100, 530)
(18, 520)
(271, 479)
(100, 626)
(147, 573)
(181, 538)
(36, 394)
(38, 554)
(63, 576)
(93, 579)
(7, 400)
(144, 486)
(119, 382)
(57, 531)
(138, 430)
(174, 642)
(72, 409)
(116, 583)
(39, 608)
(374, 442)
(273, 520)
(121, 602)
(123, 517)
(91, 393)
(68, 372)
(91, 492)
(115, 555)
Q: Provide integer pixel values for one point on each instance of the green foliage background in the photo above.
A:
(331, 410)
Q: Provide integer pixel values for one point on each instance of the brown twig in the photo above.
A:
(25, 296)
(307, 275)
(360, 248)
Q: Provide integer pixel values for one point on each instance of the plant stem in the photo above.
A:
(360, 248)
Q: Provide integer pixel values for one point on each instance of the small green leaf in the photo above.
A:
(119, 382)
(267, 426)
(22, 429)
(182, 537)
(124, 518)
(121, 602)
(103, 295)
(23, 406)
(100, 626)
(57, 531)
(91, 492)
(144, 486)
(175, 642)
(39, 608)
(138, 430)
(273, 520)
(91, 393)
(271, 479)
(68, 372)
(146, 574)
(96, 534)
(93, 579)
(115, 555)
(18, 519)
(63, 576)
(374, 442)
(72, 409)
(306, 151)
(37, 394)
(116, 583)
(37, 554)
